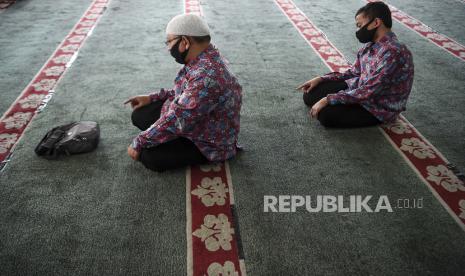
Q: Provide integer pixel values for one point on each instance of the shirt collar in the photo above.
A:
(389, 36)
(209, 51)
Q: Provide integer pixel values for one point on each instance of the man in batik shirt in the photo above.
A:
(376, 87)
(197, 121)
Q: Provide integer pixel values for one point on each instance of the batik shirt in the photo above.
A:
(203, 106)
(380, 80)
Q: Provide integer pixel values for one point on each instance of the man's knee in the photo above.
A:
(138, 119)
(327, 117)
(314, 95)
(308, 99)
(321, 90)
(151, 162)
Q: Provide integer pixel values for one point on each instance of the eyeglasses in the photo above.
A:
(171, 40)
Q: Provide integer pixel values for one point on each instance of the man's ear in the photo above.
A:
(187, 43)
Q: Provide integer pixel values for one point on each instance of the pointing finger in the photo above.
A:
(128, 101)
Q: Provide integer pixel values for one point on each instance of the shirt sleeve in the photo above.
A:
(379, 79)
(198, 99)
(162, 95)
(353, 72)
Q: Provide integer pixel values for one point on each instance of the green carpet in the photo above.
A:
(30, 32)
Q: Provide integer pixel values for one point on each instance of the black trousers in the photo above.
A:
(173, 154)
(341, 115)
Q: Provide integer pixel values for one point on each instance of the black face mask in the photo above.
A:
(178, 56)
(364, 35)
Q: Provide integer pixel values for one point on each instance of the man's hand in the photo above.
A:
(316, 108)
(134, 154)
(309, 85)
(138, 101)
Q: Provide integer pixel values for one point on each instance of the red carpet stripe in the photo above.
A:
(213, 241)
(211, 230)
(446, 43)
(427, 162)
(20, 114)
(193, 6)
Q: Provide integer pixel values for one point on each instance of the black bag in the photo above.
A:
(73, 138)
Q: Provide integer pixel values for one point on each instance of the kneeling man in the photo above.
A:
(196, 121)
(376, 87)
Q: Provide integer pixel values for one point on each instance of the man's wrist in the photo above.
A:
(153, 96)
(324, 102)
(136, 145)
(321, 79)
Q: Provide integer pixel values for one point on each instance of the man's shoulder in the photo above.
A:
(395, 45)
(213, 65)
(394, 48)
(205, 69)
(206, 73)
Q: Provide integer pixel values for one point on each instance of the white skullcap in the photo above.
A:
(187, 24)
